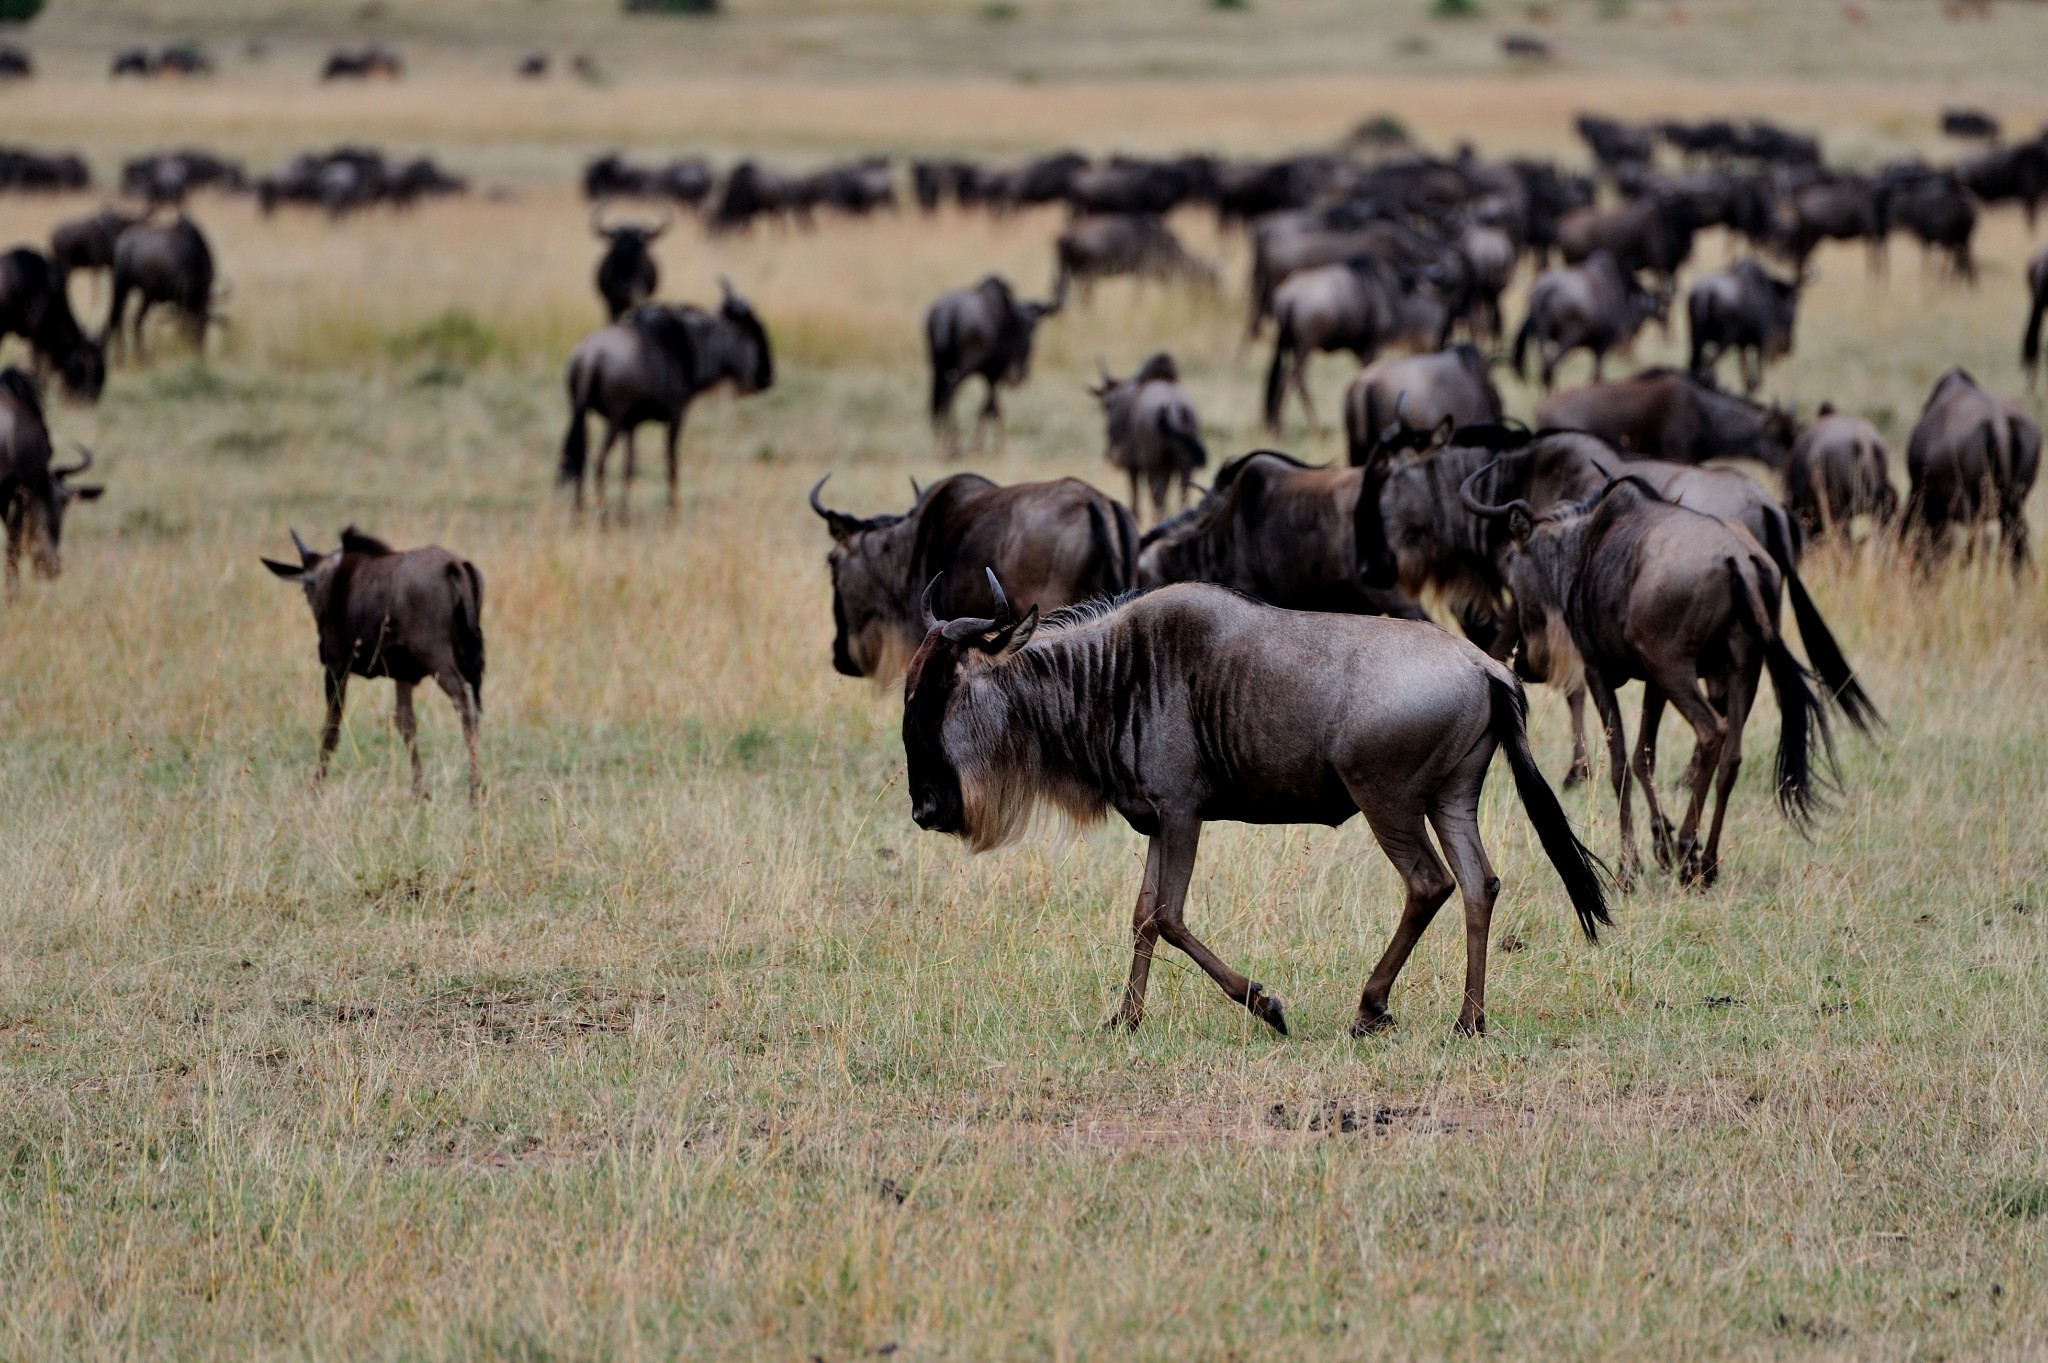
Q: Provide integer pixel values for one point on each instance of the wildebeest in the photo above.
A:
(1361, 306)
(1277, 529)
(1152, 430)
(373, 59)
(1418, 391)
(1973, 456)
(167, 263)
(1102, 245)
(2015, 174)
(34, 493)
(1838, 470)
(1668, 414)
(1596, 306)
(87, 243)
(15, 63)
(1744, 308)
(533, 66)
(1528, 47)
(627, 275)
(1829, 208)
(1936, 207)
(986, 331)
(1969, 124)
(35, 306)
(649, 366)
(1192, 703)
(408, 616)
(1653, 233)
(2037, 307)
(1285, 244)
(25, 168)
(1065, 539)
(687, 180)
(1629, 586)
(167, 177)
(1614, 144)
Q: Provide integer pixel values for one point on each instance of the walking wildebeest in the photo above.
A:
(34, 495)
(1653, 233)
(88, 243)
(649, 366)
(35, 306)
(1833, 208)
(167, 263)
(1277, 529)
(2037, 307)
(1100, 245)
(1625, 586)
(1665, 413)
(374, 59)
(1596, 306)
(1192, 703)
(1973, 456)
(1838, 470)
(627, 275)
(1418, 391)
(1152, 430)
(1746, 309)
(1936, 208)
(987, 331)
(405, 615)
(1361, 306)
(1066, 539)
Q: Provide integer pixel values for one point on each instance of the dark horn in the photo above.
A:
(816, 505)
(1003, 611)
(84, 463)
(1479, 508)
(305, 555)
(928, 603)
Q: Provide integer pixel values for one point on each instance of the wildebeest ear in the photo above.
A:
(1441, 436)
(1519, 524)
(290, 572)
(1005, 639)
(90, 492)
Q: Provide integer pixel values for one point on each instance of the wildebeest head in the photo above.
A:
(757, 368)
(869, 565)
(1378, 556)
(951, 650)
(314, 571)
(84, 369)
(40, 504)
(636, 233)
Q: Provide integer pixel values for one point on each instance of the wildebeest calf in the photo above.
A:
(33, 494)
(1837, 471)
(407, 616)
(1153, 431)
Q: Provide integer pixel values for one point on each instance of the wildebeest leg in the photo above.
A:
(1137, 507)
(116, 309)
(1404, 838)
(675, 435)
(1300, 381)
(991, 414)
(1455, 817)
(1144, 934)
(1581, 768)
(2012, 526)
(1710, 732)
(1646, 772)
(1735, 705)
(626, 478)
(14, 526)
(1551, 355)
(409, 730)
(330, 732)
(604, 454)
(1179, 836)
(465, 706)
(1609, 709)
(141, 316)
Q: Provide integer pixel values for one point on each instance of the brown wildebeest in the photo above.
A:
(651, 366)
(34, 495)
(1193, 703)
(1936, 208)
(1360, 306)
(1973, 456)
(1628, 586)
(35, 306)
(1667, 414)
(1100, 245)
(1418, 391)
(167, 263)
(1284, 244)
(1595, 306)
(1838, 470)
(1065, 539)
(1833, 208)
(1152, 429)
(986, 331)
(2037, 307)
(1745, 309)
(1652, 233)
(407, 616)
(627, 275)
(87, 243)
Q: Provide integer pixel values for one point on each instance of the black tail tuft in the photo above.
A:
(1833, 669)
(1188, 442)
(2030, 346)
(468, 586)
(1276, 373)
(1583, 874)
(1806, 748)
(575, 445)
(1522, 345)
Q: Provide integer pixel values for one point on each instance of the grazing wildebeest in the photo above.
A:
(1277, 529)
(362, 63)
(15, 63)
(533, 66)
(168, 263)
(1745, 309)
(1653, 233)
(405, 615)
(987, 331)
(1361, 306)
(34, 495)
(1975, 125)
(627, 275)
(1596, 306)
(1614, 144)
(2037, 307)
(1101, 245)
(1831, 208)
(649, 366)
(1065, 539)
(1668, 414)
(34, 306)
(1936, 207)
(1418, 391)
(1973, 455)
(1838, 470)
(1192, 703)
(1626, 586)
(1152, 429)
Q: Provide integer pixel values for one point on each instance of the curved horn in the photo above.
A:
(1003, 611)
(928, 603)
(916, 492)
(816, 505)
(597, 225)
(84, 463)
(725, 288)
(668, 220)
(1401, 409)
(305, 555)
(1481, 509)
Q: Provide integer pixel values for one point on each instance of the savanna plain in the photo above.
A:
(685, 1042)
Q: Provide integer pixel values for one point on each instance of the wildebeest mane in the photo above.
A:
(662, 327)
(1081, 612)
(354, 541)
(24, 387)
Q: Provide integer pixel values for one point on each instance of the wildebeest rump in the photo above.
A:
(1667, 414)
(1192, 703)
(169, 264)
(1065, 539)
(407, 616)
(1838, 470)
(35, 306)
(649, 366)
(34, 492)
(1973, 456)
(626, 275)
(1652, 233)
(984, 331)
(87, 243)
(1418, 392)
(1744, 309)
(1361, 306)
(1151, 430)
(1596, 306)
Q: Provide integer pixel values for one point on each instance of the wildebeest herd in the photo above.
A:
(1264, 650)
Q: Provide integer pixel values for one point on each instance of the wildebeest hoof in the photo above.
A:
(1472, 1026)
(1120, 1021)
(1577, 776)
(1371, 1024)
(1266, 1008)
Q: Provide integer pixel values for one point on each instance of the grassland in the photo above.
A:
(687, 1043)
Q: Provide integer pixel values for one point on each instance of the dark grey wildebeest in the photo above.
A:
(1102, 245)
(1829, 208)
(985, 331)
(1362, 306)
(1596, 306)
(649, 366)
(1193, 703)
(1973, 456)
(1152, 431)
(1668, 414)
(163, 263)
(1418, 392)
(1839, 469)
(34, 493)
(2037, 308)
(1745, 309)
(35, 306)
(626, 274)
(1652, 233)
(1065, 539)
(87, 243)
(409, 616)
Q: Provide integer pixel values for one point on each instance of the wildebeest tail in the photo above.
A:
(1283, 341)
(1828, 663)
(2030, 345)
(1522, 335)
(1186, 440)
(1581, 871)
(467, 584)
(1114, 547)
(1805, 747)
(576, 441)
